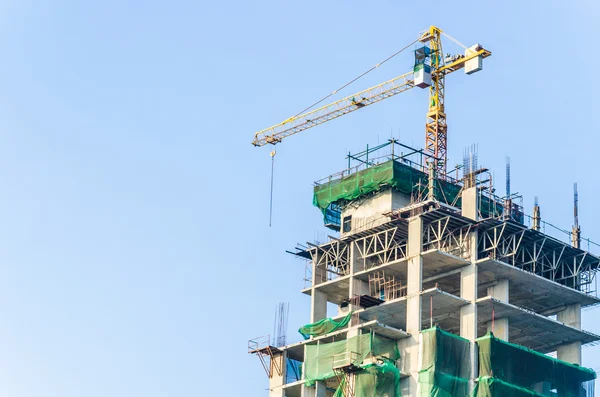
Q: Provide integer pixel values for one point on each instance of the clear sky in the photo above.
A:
(136, 257)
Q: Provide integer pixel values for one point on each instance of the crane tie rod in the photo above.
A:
(355, 79)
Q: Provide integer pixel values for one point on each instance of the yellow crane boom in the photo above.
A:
(436, 118)
(346, 105)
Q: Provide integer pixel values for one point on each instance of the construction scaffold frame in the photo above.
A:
(271, 357)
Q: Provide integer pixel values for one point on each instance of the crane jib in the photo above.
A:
(436, 123)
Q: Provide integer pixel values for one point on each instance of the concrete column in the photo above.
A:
(414, 285)
(499, 326)
(319, 275)
(277, 381)
(318, 299)
(307, 391)
(468, 282)
(318, 390)
(318, 311)
(357, 287)
(468, 313)
(469, 203)
(318, 305)
(571, 352)
(468, 274)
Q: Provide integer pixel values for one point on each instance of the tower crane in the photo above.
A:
(430, 70)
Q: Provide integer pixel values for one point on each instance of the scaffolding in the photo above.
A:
(345, 366)
(385, 288)
(271, 357)
(363, 365)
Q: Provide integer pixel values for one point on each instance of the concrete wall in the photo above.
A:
(400, 200)
(369, 212)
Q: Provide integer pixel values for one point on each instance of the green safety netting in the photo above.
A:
(506, 369)
(489, 386)
(446, 364)
(377, 380)
(391, 174)
(324, 326)
(374, 378)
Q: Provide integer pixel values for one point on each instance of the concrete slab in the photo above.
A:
(434, 262)
(438, 307)
(529, 329)
(438, 262)
(531, 291)
(337, 290)
(386, 331)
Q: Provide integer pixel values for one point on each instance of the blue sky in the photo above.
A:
(136, 254)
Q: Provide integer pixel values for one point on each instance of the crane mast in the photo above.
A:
(436, 128)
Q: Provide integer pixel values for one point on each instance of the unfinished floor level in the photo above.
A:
(441, 290)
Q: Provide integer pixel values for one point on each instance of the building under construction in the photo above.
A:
(442, 286)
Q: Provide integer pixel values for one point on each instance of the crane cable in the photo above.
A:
(321, 100)
(335, 92)
(454, 40)
(272, 154)
(355, 79)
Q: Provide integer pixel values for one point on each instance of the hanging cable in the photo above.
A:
(272, 154)
(355, 79)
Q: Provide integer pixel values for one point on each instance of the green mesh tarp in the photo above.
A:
(506, 369)
(318, 363)
(395, 174)
(377, 380)
(391, 173)
(446, 364)
(324, 326)
(489, 386)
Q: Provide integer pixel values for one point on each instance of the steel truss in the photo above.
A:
(540, 254)
(379, 248)
(441, 234)
(330, 261)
